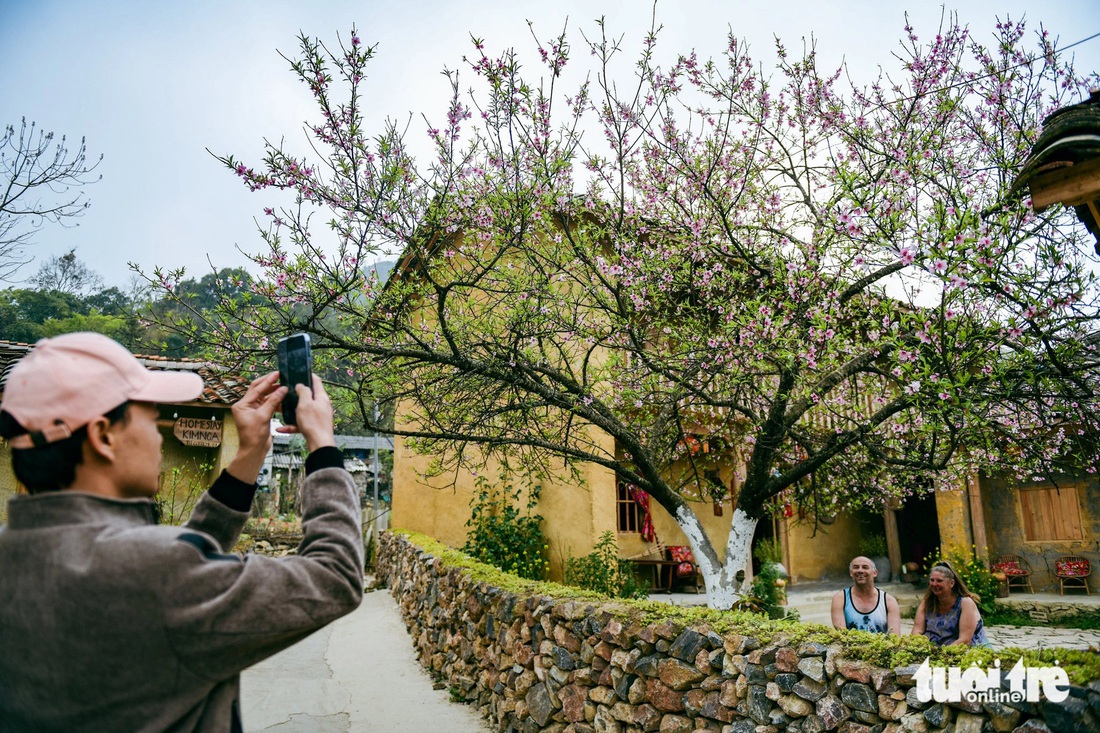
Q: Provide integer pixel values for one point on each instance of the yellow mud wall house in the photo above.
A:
(993, 516)
(1037, 521)
(575, 514)
(200, 437)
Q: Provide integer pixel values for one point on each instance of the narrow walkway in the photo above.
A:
(358, 675)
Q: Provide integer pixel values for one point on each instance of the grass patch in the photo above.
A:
(1011, 617)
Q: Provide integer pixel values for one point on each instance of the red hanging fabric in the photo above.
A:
(649, 533)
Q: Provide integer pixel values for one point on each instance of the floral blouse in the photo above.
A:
(943, 629)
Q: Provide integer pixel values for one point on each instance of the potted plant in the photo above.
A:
(770, 552)
(1002, 582)
(874, 548)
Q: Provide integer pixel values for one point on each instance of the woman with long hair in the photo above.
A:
(948, 613)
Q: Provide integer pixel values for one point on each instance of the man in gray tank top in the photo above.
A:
(863, 606)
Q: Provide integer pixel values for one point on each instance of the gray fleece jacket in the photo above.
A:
(109, 622)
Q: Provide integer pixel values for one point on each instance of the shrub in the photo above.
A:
(180, 489)
(768, 551)
(603, 571)
(766, 595)
(500, 535)
(872, 546)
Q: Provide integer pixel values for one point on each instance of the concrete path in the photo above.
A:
(356, 675)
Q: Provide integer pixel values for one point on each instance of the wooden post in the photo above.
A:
(785, 546)
(893, 542)
(977, 518)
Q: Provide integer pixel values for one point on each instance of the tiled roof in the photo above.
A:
(293, 461)
(219, 387)
(344, 442)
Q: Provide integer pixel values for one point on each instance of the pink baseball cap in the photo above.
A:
(67, 381)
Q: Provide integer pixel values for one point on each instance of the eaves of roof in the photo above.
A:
(219, 387)
(345, 442)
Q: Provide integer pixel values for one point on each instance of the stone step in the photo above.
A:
(816, 606)
(897, 590)
(825, 607)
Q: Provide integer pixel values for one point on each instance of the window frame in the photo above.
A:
(626, 510)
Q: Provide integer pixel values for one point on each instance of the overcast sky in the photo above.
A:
(152, 85)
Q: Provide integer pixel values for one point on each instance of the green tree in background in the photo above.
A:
(179, 320)
(69, 298)
(67, 274)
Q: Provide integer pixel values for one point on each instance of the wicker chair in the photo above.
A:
(1072, 571)
(1016, 569)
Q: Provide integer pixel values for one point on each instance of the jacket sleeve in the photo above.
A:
(223, 613)
(222, 511)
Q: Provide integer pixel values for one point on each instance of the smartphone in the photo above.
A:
(295, 367)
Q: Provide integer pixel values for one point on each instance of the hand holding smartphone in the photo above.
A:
(295, 367)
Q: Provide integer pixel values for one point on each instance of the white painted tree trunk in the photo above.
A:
(721, 579)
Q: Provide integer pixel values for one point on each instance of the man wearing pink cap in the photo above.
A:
(110, 622)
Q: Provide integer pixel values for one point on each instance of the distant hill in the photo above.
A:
(383, 269)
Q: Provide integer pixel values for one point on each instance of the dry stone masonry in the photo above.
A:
(536, 663)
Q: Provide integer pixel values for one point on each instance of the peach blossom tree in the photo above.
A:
(824, 280)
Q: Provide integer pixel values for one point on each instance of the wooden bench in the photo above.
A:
(663, 573)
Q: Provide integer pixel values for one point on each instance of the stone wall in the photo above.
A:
(536, 663)
(1066, 607)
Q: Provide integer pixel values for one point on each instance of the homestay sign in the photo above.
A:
(196, 432)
